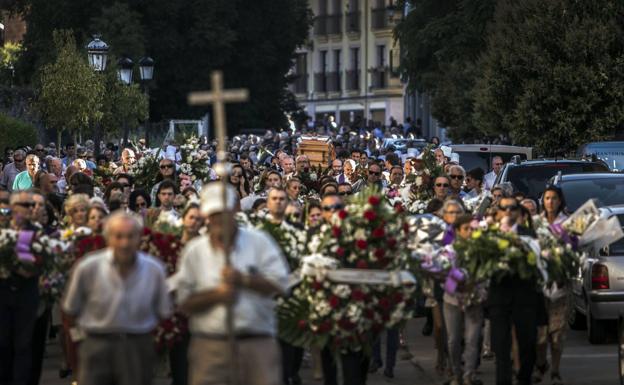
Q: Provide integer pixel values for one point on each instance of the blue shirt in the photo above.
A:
(22, 181)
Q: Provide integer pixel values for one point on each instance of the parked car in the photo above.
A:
(402, 144)
(598, 291)
(481, 155)
(531, 176)
(606, 188)
(612, 153)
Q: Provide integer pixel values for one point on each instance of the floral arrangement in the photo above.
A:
(102, 176)
(291, 240)
(421, 181)
(491, 253)
(57, 265)
(367, 235)
(146, 169)
(559, 250)
(167, 248)
(194, 161)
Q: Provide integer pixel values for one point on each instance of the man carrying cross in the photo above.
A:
(206, 285)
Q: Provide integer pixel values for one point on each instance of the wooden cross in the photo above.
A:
(218, 97)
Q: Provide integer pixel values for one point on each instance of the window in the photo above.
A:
(381, 56)
(323, 63)
(354, 5)
(355, 58)
(301, 67)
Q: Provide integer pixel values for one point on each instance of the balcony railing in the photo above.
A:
(300, 84)
(353, 80)
(382, 18)
(353, 22)
(379, 77)
(334, 24)
(320, 82)
(320, 25)
(333, 82)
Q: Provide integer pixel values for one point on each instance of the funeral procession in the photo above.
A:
(302, 192)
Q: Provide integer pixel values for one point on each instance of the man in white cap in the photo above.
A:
(206, 285)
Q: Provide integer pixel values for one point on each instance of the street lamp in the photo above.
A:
(146, 68)
(124, 70)
(97, 51)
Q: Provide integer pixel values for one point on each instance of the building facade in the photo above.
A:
(349, 68)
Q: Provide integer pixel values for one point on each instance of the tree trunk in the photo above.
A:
(126, 133)
(59, 134)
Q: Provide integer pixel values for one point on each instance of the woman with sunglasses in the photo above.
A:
(238, 179)
(139, 201)
(556, 302)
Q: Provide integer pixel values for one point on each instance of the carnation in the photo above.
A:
(370, 215)
(374, 200)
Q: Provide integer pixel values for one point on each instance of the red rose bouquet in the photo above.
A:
(345, 308)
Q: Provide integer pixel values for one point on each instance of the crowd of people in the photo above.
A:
(119, 294)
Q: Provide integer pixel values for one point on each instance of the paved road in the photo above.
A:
(583, 364)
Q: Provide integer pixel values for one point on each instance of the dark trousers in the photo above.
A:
(523, 317)
(40, 335)
(354, 367)
(292, 357)
(392, 346)
(18, 312)
(178, 361)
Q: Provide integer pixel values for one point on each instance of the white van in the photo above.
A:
(480, 155)
(612, 153)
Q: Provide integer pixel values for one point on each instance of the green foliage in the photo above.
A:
(122, 104)
(15, 133)
(70, 94)
(553, 75)
(252, 41)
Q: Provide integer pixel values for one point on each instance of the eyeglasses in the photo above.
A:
(378, 173)
(508, 208)
(164, 166)
(337, 206)
(458, 177)
(441, 184)
(345, 192)
(142, 204)
(28, 205)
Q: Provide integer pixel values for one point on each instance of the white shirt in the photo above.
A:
(255, 252)
(104, 302)
(488, 180)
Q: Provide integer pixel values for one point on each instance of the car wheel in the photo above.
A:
(577, 320)
(621, 350)
(595, 329)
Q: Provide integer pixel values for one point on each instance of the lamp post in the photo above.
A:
(97, 53)
(124, 70)
(146, 71)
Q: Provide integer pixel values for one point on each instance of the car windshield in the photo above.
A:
(473, 159)
(532, 179)
(607, 191)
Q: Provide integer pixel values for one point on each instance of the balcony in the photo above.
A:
(320, 82)
(382, 18)
(300, 84)
(379, 77)
(320, 25)
(333, 82)
(334, 24)
(353, 22)
(353, 80)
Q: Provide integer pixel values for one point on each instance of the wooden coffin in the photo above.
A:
(318, 149)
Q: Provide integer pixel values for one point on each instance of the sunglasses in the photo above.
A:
(39, 149)
(144, 204)
(441, 184)
(165, 166)
(28, 205)
(508, 208)
(346, 193)
(374, 173)
(337, 206)
(5, 212)
(179, 207)
(459, 177)
(124, 185)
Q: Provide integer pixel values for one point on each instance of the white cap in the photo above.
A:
(446, 150)
(212, 198)
(455, 157)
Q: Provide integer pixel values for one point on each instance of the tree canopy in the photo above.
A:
(252, 41)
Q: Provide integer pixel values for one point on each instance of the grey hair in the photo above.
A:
(457, 167)
(452, 202)
(121, 216)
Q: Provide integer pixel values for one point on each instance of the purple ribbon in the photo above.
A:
(449, 236)
(558, 230)
(22, 248)
(453, 280)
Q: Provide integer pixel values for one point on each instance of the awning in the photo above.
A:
(326, 108)
(377, 106)
(351, 107)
